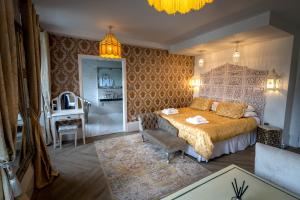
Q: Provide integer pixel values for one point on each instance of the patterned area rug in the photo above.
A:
(137, 170)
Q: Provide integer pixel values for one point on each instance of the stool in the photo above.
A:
(159, 131)
(67, 130)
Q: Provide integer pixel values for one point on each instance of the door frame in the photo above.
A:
(124, 81)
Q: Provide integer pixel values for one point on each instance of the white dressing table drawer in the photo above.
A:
(67, 117)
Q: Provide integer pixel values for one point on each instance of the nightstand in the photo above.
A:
(269, 135)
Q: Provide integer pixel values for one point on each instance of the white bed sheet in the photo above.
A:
(232, 145)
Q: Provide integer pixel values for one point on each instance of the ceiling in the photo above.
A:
(243, 39)
(135, 22)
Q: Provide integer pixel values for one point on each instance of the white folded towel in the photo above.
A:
(169, 111)
(197, 120)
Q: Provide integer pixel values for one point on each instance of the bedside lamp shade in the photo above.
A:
(194, 82)
(110, 47)
(201, 62)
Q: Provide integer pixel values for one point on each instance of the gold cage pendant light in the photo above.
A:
(110, 47)
(180, 6)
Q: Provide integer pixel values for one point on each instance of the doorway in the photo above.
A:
(103, 87)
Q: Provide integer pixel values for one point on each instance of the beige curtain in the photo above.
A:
(8, 91)
(45, 86)
(23, 94)
(44, 172)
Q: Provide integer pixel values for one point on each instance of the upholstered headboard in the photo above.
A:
(235, 83)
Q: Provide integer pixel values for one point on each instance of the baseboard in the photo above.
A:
(132, 126)
(294, 141)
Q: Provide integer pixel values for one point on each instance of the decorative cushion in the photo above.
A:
(201, 103)
(250, 114)
(250, 109)
(232, 110)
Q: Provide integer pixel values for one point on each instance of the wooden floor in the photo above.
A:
(81, 176)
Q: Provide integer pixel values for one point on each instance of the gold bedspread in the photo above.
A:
(201, 137)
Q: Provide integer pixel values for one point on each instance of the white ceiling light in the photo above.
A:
(236, 54)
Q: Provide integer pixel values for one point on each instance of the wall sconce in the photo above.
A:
(201, 62)
(194, 82)
(236, 54)
(273, 80)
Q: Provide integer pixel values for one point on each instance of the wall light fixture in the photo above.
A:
(273, 80)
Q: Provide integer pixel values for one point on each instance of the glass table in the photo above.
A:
(218, 186)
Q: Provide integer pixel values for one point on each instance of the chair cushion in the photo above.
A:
(166, 140)
(67, 128)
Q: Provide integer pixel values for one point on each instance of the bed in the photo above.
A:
(225, 83)
(232, 145)
(222, 135)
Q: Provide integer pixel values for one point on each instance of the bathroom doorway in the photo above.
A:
(102, 84)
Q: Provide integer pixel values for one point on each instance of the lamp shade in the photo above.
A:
(236, 54)
(110, 47)
(180, 6)
(273, 80)
(195, 82)
(201, 62)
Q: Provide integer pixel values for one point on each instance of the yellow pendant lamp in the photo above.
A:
(110, 47)
(181, 6)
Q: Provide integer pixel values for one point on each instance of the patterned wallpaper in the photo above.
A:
(155, 78)
(235, 83)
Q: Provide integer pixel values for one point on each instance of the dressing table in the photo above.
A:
(66, 107)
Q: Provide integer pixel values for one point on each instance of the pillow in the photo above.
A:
(250, 114)
(232, 110)
(250, 109)
(257, 120)
(214, 106)
(201, 103)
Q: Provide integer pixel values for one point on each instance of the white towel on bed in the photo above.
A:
(197, 120)
(169, 111)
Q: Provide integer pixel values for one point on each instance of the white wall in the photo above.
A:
(273, 54)
(90, 84)
(109, 107)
